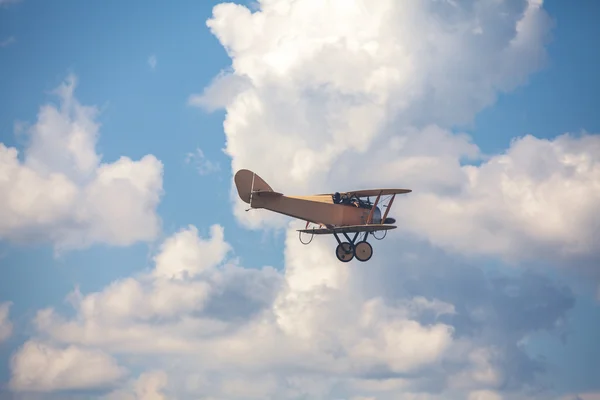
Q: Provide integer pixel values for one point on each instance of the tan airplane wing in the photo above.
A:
(371, 192)
(349, 229)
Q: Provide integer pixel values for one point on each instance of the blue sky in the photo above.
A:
(144, 110)
(561, 97)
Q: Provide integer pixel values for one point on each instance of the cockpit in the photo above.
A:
(354, 201)
(351, 200)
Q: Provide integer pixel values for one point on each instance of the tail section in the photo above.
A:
(248, 184)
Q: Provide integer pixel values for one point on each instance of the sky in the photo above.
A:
(131, 270)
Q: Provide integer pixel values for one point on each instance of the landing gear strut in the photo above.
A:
(346, 251)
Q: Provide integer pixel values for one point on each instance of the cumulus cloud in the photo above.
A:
(222, 90)
(316, 89)
(6, 326)
(484, 395)
(59, 191)
(40, 367)
(186, 296)
(316, 329)
(148, 386)
(538, 200)
(341, 96)
(327, 96)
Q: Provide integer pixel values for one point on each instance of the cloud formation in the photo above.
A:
(39, 367)
(325, 96)
(330, 85)
(316, 329)
(60, 192)
(329, 96)
(148, 386)
(536, 201)
(364, 94)
(6, 326)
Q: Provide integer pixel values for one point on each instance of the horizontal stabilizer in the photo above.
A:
(266, 193)
(349, 229)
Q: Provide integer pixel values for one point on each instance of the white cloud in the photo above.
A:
(539, 200)
(152, 60)
(336, 96)
(314, 101)
(40, 367)
(315, 90)
(222, 90)
(484, 395)
(170, 308)
(203, 165)
(188, 290)
(326, 96)
(186, 255)
(218, 329)
(148, 386)
(62, 193)
(6, 327)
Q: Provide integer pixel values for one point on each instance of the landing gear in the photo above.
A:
(346, 251)
(363, 251)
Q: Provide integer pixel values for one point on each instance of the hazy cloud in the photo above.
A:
(6, 327)
(6, 3)
(152, 60)
(8, 41)
(203, 165)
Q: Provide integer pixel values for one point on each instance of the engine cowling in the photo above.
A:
(376, 216)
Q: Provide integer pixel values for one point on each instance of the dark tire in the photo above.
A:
(344, 252)
(363, 251)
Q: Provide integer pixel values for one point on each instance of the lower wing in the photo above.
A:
(349, 229)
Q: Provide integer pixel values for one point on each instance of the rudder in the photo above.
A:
(246, 181)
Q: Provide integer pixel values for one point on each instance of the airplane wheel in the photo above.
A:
(344, 252)
(363, 251)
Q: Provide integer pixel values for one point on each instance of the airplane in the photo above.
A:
(335, 213)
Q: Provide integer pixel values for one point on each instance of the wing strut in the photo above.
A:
(387, 211)
(370, 218)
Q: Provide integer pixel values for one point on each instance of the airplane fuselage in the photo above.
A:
(315, 209)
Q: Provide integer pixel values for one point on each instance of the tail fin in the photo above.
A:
(247, 182)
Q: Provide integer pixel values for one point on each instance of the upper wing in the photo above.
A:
(349, 229)
(371, 192)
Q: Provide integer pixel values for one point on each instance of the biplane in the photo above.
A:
(334, 213)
